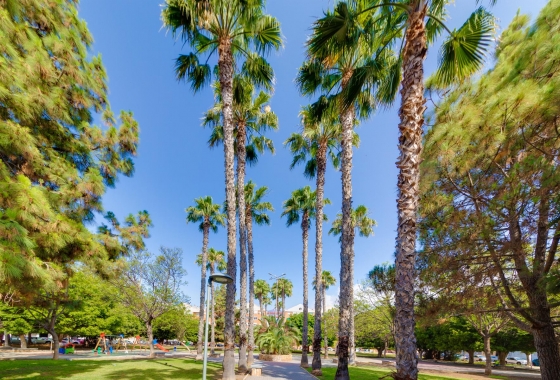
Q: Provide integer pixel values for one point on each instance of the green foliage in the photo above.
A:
(450, 336)
(277, 337)
(360, 220)
(302, 202)
(55, 164)
(207, 213)
(176, 323)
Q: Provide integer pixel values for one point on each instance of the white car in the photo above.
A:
(515, 360)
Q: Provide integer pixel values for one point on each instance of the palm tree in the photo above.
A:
(337, 70)
(327, 280)
(255, 211)
(262, 290)
(318, 139)
(251, 117)
(208, 214)
(417, 23)
(364, 225)
(303, 201)
(227, 27)
(215, 261)
(282, 288)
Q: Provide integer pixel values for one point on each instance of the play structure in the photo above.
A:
(108, 344)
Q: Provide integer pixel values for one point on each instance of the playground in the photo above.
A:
(116, 345)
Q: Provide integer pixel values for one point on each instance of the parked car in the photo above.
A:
(536, 362)
(515, 360)
(494, 358)
(479, 358)
(40, 340)
(461, 357)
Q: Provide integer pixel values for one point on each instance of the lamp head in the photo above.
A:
(220, 278)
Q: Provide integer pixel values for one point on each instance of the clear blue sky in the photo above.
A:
(175, 165)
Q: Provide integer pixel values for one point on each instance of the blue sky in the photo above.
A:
(174, 165)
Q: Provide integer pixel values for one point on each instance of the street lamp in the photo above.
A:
(273, 277)
(220, 278)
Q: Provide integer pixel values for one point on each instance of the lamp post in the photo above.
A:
(273, 277)
(220, 278)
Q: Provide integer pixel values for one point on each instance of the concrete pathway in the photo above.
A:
(277, 370)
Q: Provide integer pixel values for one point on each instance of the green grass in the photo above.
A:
(150, 369)
(361, 373)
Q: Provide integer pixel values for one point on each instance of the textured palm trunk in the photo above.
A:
(225, 65)
(488, 354)
(213, 316)
(320, 193)
(241, 158)
(411, 115)
(325, 329)
(346, 298)
(305, 237)
(201, 319)
(251, 327)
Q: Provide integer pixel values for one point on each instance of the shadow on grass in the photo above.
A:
(105, 369)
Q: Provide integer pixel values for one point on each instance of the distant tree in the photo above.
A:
(208, 214)
(150, 285)
(302, 204)
(255, 211)
(215, 261)
(262, 293)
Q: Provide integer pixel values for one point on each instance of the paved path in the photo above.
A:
(288, 371)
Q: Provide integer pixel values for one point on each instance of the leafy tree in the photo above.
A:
(208, 214)
(490, 179)
(228, 28)
(304, 202)
(177, 323)
(150, 286)
(416, 23)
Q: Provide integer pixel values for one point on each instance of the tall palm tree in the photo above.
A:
(262, 291)
(357, 68)
(364, 224)
(327, 280)
(252, 117)
(281, 289)
(255, 211)
(304, 202)
(318, 139)
(228, 28)
(215, 261)
(417, 23)
(208, 214)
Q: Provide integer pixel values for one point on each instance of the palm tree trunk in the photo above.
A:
(346, 298)
(411, 116)
(251, 327)
(225, 65)
(320, 193)
(241, 157)
(213, 315)
(200, 336)
(305, 237)
(325, 329)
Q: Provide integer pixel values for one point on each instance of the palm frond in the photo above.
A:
(267, 35)
(188, 68)
(462, 54)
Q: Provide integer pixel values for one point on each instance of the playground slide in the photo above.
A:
(162, 348)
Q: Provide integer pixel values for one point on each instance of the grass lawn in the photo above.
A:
(151, 369)
(361, 373)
